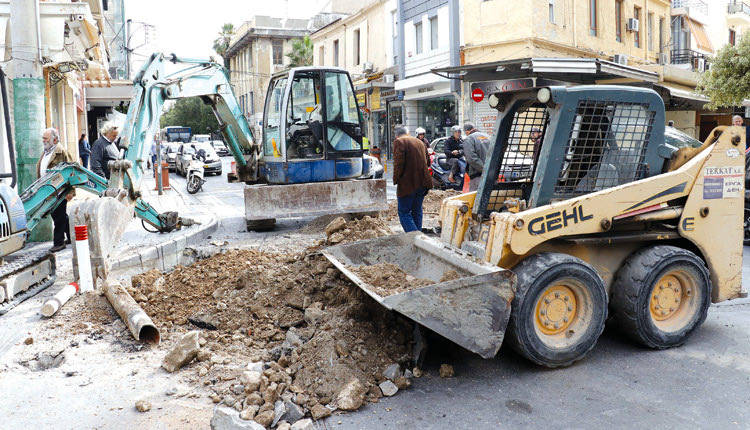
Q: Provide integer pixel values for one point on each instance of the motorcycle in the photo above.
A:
(440, 170)
(194, 175)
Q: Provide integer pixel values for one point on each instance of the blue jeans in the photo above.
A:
(85, 160)
(410, 210)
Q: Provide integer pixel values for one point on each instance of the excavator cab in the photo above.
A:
(312, 131)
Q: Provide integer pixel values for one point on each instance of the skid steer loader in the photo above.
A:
(613, 221)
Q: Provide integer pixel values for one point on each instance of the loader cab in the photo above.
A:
(312, 130)
(591, 138)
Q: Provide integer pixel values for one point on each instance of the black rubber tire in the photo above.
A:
(633, 286)
(193, 184)
(261, 224)
(746, 225)
(537, 274)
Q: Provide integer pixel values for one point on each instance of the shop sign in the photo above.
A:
(375, 99)
(362, 99)
(387, 94)
(426, 89)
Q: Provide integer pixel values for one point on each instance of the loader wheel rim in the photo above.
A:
(672, 300)
(556, 308)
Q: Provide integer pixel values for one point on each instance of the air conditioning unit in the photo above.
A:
(632, 24)
(367, 68)
(621, 59)
(663, 58)
(389, 78)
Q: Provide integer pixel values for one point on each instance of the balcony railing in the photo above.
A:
(738, 7)
(696, 60)
(699, 6)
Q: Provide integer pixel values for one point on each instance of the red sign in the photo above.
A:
(477, 95)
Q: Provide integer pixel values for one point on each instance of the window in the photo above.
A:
(355, 47)
(277, 47)
(251, 103)
(637, 34)
(396, 45)
(336, 53)
(342, 113)
(105, 5)
(321, 55)
(650, 31)
(434, 32)
(242, 105)
(250, 55)
(618, 20)
(418, 36)
(303, 113)
(732, 37)
(552, 11)
(661, 34)
(592, 17)
(272, 118)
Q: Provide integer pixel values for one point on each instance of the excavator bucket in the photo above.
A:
(265, 203)
(106, 218)
(471, 310)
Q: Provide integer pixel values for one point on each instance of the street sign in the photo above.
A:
(477, 95)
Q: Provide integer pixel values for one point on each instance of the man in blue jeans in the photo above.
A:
(412, 179)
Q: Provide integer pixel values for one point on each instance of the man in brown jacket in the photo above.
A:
(53, 155)
(412, 179)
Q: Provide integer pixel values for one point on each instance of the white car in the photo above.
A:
(219, 147)
(376, 169)
(185, 155)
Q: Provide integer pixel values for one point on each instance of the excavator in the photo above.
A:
(614, 223)
(307, 165)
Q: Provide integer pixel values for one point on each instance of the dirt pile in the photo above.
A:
(342, 231)
(388, 279)
(430, 207)
(308, 330)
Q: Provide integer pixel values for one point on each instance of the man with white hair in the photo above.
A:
(104, 150)
(53, 155)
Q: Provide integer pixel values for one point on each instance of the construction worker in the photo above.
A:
(476, 144)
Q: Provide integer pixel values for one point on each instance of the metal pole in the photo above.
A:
(127, 46)
(159, 185)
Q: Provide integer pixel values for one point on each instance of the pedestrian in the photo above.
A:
(420, 135)
(411, 177)
(454, 150)
(53, 155)
(84, 150)
(104, 150)
(153, 155)
(536, 141)
(476, 145)
(740, 122)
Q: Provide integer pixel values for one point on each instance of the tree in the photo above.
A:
(221, 44)
(301, 53)
(726, 83)
(191, 112)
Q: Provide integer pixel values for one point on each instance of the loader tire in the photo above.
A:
(558, 311)
(661, 296)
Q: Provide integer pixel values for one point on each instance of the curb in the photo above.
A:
(165, 255)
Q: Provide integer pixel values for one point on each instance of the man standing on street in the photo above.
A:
(84, 150)
(411, 177)
(53, 155)
(476, 146)
(105, 150)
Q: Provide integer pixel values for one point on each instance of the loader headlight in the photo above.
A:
(494, 101)
(543, 95)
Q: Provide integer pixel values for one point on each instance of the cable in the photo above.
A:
(143, 224)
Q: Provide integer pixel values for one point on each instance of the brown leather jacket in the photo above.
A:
(59, 155)
(410, 161)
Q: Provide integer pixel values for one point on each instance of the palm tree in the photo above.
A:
(301, 53)
(221, 44)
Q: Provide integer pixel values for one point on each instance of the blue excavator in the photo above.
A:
(307, 163)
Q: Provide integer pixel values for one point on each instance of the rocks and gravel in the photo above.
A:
(182, 353)
(351, 396)
(143, 406)
(226, 418)
(388, 388)
(446, 371)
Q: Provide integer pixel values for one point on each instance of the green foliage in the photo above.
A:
(191, 112)
(221, 44)
(301, 53)
(727, 83)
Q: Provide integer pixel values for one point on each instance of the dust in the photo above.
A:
(430, 206)
(387, 279)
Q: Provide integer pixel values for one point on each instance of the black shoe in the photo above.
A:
(57, 248)
(67, 241)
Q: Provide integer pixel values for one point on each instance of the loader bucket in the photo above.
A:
(267, 202)
(471, 311)
(106, 218)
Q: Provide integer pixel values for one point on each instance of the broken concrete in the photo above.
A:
(388, 388)
(352, 396)
(226, 418)
(393, 371)
(319, 412)
(183, 352)
(305, 424)
(142, 406)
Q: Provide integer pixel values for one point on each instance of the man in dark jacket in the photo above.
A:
(104, 150)
(411, 177)
(454, 150)
(476, 146)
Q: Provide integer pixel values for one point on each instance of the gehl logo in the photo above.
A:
(557, 220)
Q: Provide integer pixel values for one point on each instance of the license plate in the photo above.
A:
(206, 166)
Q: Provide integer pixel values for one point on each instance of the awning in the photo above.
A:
(700, 36)
(680, 98)
(573, 70)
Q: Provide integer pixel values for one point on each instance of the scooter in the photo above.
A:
(195, 175)
(440, 170)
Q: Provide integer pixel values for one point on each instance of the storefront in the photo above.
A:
(437, 116)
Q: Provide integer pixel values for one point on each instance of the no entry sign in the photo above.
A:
(477, 95)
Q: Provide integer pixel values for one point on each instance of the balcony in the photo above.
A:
(694, 9)
(689, 60)
(738, 14)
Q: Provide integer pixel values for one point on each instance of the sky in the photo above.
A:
(189, 27)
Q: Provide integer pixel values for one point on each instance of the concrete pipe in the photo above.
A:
(133, 315)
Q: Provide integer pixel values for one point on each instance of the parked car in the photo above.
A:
(201, 138)
(219, 147)
(376, 169)
(169, 154)
(185, 154)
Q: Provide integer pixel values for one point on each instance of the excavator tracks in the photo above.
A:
(24, 274)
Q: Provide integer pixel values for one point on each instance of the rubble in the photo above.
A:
(340, 231)
(351, 396)
(305, 424)
(182, 353)
(226, 418)
(319, 412)
(388, 388)
(142, 406)
(446, 371)
(387, 279)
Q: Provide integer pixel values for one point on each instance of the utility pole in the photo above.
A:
(28, 95)
(127, 46)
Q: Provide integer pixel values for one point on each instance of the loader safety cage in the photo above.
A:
(602, 143)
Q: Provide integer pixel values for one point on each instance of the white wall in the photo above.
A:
(429, 58)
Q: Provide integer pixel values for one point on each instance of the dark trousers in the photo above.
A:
(455, 166)
(410, 210)
(60, 220)
(85, 160)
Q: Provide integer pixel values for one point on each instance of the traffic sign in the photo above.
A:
(477, 95)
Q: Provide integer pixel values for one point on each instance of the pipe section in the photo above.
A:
(132, 314)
